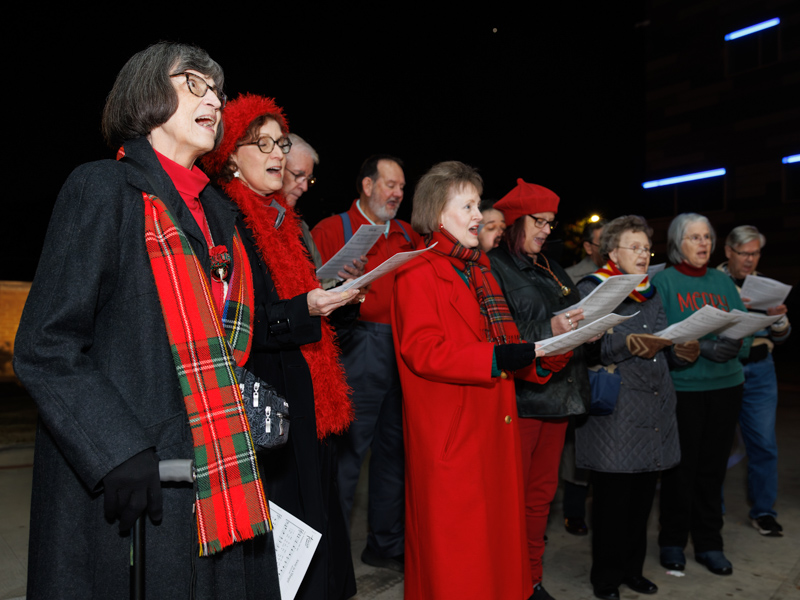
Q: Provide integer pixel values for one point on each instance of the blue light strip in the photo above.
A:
(752, 29)
(681, 178)
(791, 159)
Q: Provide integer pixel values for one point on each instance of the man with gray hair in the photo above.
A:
(760, 398)
(298, 177)
(591, 245)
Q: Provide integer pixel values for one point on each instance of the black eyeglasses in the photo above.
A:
(540, 223)
(266, 144)
(755, 254)
(199, 87)
(302, 177)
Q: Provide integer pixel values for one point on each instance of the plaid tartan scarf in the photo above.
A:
(643, 291)
(231, 505)
(499, 326)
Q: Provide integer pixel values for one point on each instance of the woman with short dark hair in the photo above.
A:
(125, 350)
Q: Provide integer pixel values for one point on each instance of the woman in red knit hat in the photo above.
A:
(293, 345)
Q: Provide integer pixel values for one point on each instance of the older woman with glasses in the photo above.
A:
(293, 346)
(128, 340)
(627, 449)
(709, 393)
(535, 287)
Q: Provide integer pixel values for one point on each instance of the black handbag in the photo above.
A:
(267, 411)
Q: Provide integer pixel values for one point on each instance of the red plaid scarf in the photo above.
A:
(499, 325)
(643, 291)
(231, 505)
(293, 274)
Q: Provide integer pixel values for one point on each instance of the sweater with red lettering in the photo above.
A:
(684, 294)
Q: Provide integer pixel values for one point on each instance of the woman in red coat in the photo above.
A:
(457, 349)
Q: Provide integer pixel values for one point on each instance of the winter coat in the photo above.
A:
(533, 296)
(465, 527)
(92, 350)
(642, 433)
(300, 476)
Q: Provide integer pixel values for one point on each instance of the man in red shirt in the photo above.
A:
(369, 360)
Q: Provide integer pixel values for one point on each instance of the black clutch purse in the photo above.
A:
(267, 411)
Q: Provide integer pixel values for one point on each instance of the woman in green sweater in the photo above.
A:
(709, 395)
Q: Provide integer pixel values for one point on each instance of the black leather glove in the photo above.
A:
(133, 487)
(512, 357)
(720, 350)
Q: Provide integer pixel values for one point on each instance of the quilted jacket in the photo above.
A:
(642, 433)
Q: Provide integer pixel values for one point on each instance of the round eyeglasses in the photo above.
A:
(301, 177)
(697, 238)
(199, 87)
(540, 223)
(266, 144)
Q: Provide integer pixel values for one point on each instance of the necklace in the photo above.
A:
(546, 266)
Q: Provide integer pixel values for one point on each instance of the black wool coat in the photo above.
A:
(300, 476)
(92, 350)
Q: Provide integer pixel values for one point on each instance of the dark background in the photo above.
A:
(550, 93)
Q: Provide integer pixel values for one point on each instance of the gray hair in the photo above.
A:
(744, 234)
(677, 230)
(299, 143)
(143, 97)
(613, 231)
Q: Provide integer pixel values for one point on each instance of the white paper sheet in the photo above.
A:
(653, 269)
(748, 324)
(764, 292)
(359, 245)
(295, 543)
(605, 297)
(390, 264)
(700, 323)
(561, 344)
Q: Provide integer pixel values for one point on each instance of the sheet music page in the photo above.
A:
(390, 264)
(748, 324)
(653, 269)
(295, 543)
(561, 344)
(359, 245)
(605, 297)
(764, 292)
(704, 321)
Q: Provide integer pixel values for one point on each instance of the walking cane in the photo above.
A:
(180, 470)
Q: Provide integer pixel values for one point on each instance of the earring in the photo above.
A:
(236, 173)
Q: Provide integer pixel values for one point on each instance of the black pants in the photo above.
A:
(691, 492)
(621, 504)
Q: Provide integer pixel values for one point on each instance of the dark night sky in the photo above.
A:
(555, 96)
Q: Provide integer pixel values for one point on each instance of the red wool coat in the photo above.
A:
(465, 525)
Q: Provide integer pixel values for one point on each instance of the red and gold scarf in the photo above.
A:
(293, 274)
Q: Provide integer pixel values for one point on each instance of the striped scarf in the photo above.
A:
(643, 291)
(499, 326)
(231, 505)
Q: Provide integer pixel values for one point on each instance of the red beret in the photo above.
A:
(526, 199)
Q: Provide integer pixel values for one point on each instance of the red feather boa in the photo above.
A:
(293, 274)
